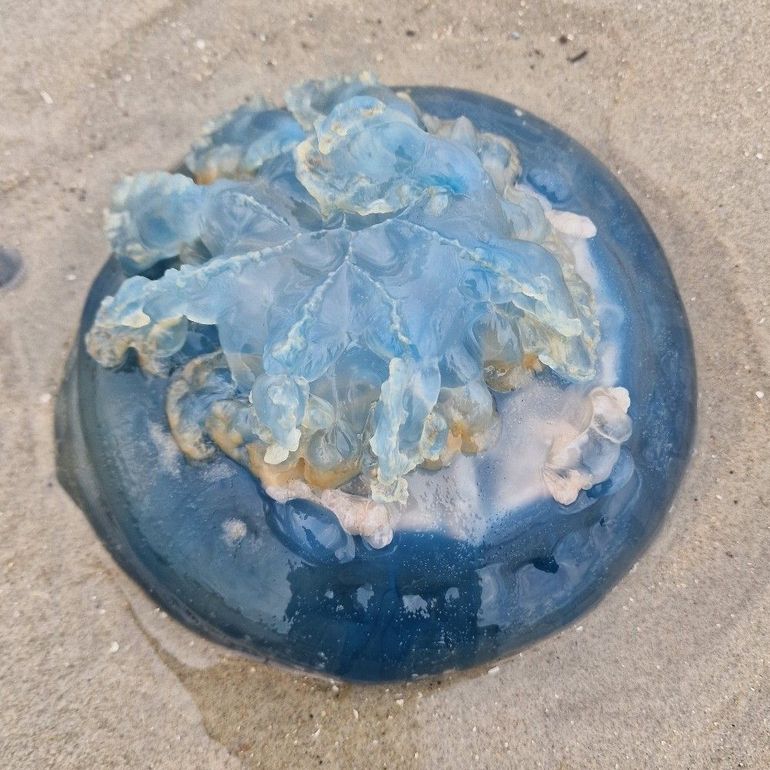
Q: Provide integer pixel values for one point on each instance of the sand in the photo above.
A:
(671, 669)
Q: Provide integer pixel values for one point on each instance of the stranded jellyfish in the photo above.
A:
(379, 383)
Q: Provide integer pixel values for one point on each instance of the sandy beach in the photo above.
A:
(672, 669)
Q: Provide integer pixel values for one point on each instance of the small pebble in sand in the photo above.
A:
(11, 267)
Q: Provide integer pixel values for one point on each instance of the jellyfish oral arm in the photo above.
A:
(376, 277)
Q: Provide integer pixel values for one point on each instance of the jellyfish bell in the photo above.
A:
(426, 371)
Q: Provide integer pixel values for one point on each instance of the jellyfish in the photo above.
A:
(379, 382)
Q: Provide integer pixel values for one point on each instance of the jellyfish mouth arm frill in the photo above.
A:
(584, 455)
(356, 514)
(375, 277)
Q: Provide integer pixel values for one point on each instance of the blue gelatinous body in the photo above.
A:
(360, 303)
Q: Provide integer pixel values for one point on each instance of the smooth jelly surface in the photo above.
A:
(385, 383)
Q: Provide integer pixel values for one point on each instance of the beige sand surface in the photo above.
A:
(671, 670)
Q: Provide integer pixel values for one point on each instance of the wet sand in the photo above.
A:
(672, 668)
